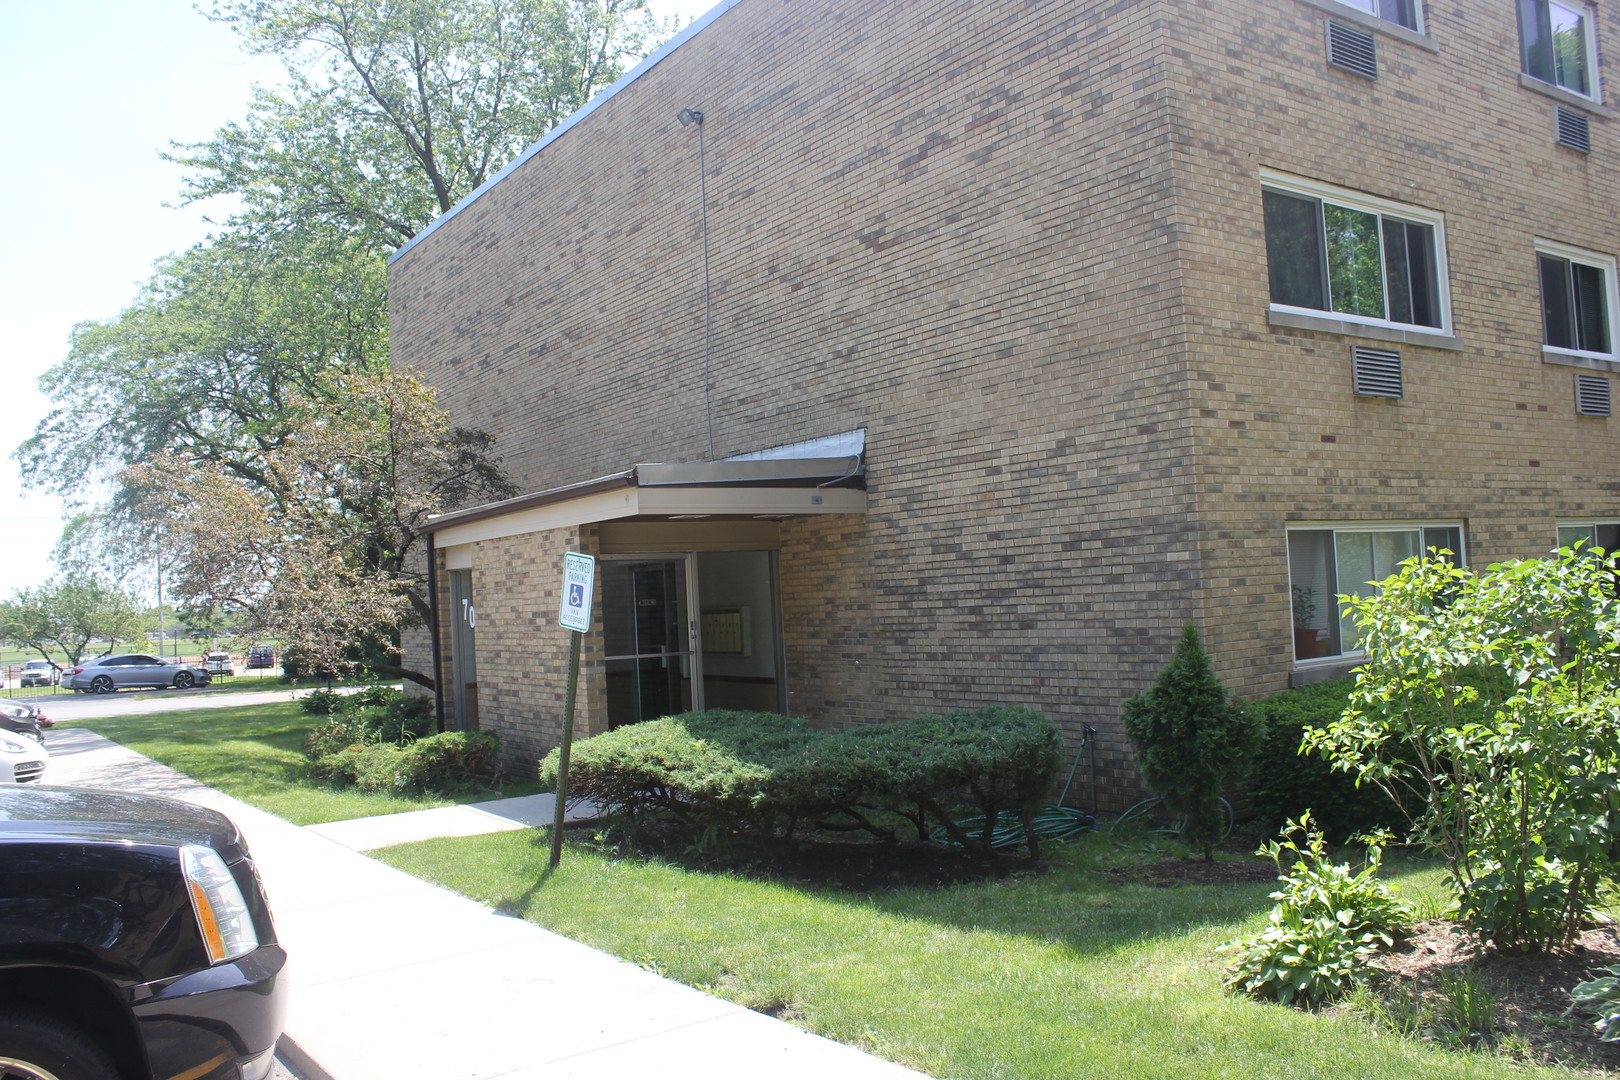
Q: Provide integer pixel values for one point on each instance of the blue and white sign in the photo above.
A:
(579, 580)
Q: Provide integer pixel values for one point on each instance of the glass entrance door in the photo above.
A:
(646, 621)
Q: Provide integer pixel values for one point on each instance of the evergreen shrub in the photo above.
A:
(763, 774)
(1285, 783)
(1191, 738)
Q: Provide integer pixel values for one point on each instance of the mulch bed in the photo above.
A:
(1533, 989)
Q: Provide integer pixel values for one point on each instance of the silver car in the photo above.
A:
(105, 674)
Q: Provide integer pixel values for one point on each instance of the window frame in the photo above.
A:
(1333, 618)
(1588, 15)
(1304, 188)
(1552, 249)
(1373, 10)
(1591, 525)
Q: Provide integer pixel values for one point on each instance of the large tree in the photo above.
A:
(67, 616)
(321, 549)
(208, 393)
(204, 365)
(394, 111)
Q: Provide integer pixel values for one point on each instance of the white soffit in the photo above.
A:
(732, 499)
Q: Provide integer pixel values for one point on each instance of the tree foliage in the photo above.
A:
(319, 547)
(238, 356)
(206, 364)
(393, 112)
(1493, 702)
(67, 616)
(1191, 737)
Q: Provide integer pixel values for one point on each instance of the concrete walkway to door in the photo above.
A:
(393, 977)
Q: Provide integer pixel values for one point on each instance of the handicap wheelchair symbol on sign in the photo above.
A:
(579, 576)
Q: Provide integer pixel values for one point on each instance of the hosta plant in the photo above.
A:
(1599, 997)
(1329, 921)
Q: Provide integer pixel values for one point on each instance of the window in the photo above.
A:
(1603, 534)
(1577, 298)
(1354, 255)
(1556, 45)
(1400, 12)
(1325, 562)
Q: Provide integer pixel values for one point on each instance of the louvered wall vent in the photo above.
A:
(1574, 130)
(1376, 372)
(1591, 395)
(1352, 48)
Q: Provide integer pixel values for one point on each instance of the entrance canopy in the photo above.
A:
(765, 490)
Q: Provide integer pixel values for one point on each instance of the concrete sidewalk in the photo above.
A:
(393, 977)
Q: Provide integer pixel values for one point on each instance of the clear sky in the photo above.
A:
(90, 93)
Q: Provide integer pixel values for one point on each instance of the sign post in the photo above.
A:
(574, 615)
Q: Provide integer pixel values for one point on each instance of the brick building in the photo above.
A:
(981, 343)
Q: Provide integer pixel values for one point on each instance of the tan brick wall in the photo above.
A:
(1486, 435)
(522, 653)
(1021, 244)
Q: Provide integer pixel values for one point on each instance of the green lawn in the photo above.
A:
(255, 753)
(1073, 974)
(1068, 975)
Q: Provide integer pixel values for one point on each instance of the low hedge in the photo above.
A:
(441, 762)
(764, 774)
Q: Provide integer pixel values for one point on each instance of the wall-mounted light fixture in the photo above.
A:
(688, 117)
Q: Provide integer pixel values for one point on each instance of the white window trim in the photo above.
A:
(1356, 6)
(1607, 264)
(1372, 527)
(1581, 523)
(1350, 13)
(1373, 204)
(1589, 24)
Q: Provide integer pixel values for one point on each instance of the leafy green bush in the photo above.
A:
(321, 702)
(1191, 737)
(377, 716)
(1329, 919)
(1492, 702)
(1599, 997)
(439, 762)
(759, 773)
(1285, 783)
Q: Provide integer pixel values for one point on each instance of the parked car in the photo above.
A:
(136, 942)
(218, 663)
(21, 718)
(40, 673)
(105, 674)
(261, 656)
(22, 761)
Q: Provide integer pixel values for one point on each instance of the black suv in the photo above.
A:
(135, 942)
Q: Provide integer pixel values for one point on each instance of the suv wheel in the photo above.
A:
(37, 1047)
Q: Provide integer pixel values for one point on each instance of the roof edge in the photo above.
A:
(647, 64)
(611, 482)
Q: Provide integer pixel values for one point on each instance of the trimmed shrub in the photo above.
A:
(1285, 783)
(439, 762)
(763, 774)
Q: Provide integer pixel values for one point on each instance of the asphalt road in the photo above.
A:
(139, 702)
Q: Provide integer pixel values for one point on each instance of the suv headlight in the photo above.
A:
(10, 745)
(223, 917)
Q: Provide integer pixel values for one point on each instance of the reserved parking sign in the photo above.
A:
(579, 579)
